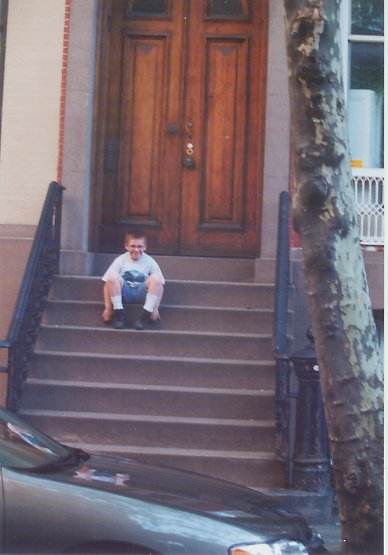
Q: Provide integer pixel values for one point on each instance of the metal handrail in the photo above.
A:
(282, 275)
(282, 342)
(42, 265)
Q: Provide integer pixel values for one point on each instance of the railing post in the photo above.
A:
(311, 454)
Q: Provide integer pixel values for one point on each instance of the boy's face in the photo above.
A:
(135, 246)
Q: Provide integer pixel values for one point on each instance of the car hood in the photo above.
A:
(189, 492)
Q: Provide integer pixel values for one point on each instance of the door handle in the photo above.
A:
(188, 160)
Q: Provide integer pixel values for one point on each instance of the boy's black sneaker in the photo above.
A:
(118, 319)
(141, 323)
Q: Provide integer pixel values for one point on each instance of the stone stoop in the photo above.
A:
(195, 391)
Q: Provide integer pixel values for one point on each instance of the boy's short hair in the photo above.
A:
(136, 233)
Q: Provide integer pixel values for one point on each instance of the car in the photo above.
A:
(59, 499)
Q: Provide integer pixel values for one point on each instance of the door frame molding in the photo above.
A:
(98, 123)
(77, 245)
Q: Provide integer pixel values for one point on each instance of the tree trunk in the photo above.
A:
(340, 309)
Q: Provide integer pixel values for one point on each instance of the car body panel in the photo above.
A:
(62, 515)
(56, 499)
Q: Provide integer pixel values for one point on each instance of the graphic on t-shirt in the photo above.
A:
(134, 278)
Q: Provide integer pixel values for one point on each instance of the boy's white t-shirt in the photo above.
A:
(145, 265)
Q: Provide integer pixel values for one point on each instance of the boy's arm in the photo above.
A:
(115, 265)
(108, 308)
(155, 269)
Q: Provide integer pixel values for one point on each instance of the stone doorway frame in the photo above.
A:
(76, 259)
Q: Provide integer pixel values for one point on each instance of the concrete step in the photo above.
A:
(249, 468)
(159, 431)
(151, 370)
(155, 342)
(195, 391)
(193, 293)
(189, 318)
(149, 400)
(202, 268)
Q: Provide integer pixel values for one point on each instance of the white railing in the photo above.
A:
(369, 196)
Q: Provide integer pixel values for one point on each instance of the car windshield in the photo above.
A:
(21, 446)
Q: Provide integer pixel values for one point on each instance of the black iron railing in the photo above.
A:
(42, 265)
(301, 436)
(282, 341)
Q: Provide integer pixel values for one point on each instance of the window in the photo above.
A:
(225, 8)
(362, 23)
(146, 8)
(364, 71)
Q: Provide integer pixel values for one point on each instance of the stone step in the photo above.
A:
(151, 370)
(155, 342)
(123, 398)
(194, 293)
(189, 318)
(249, 468)
(202, 268)
(159, 431)
(195, 391)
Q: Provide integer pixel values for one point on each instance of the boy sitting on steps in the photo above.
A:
(133, 277)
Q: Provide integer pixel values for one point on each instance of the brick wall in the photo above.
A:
(65, 61)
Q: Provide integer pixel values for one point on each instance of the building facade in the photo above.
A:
(173, 116)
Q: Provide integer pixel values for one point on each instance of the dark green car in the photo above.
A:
(55, 499)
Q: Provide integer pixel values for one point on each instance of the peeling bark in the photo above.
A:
(342, 321)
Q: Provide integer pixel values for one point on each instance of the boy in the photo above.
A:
(133, 277)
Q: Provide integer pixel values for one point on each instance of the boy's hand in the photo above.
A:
(155, 316)
(107, 315)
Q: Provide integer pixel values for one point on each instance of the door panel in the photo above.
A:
(224, 131)
(140, 118)
(221, 198)
(182, 133)
(221, 138)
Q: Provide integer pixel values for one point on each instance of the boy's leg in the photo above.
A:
(113, 300)
(153, 299)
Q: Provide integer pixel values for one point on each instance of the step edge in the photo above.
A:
(206, 453)
(164, 358)
(66, 327)
(245, 284)
(253, 310)
(144, 418)
(146, 387)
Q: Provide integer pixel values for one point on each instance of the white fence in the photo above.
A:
(369, 197)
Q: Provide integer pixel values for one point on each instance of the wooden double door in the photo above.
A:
(180, 124)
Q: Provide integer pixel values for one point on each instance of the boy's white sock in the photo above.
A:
(117, 302)
(150, 302)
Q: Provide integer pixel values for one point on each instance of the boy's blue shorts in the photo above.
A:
(136, 294)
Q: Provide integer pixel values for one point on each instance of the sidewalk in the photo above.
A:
(320, 510)
(331, 534)
(328, 525)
